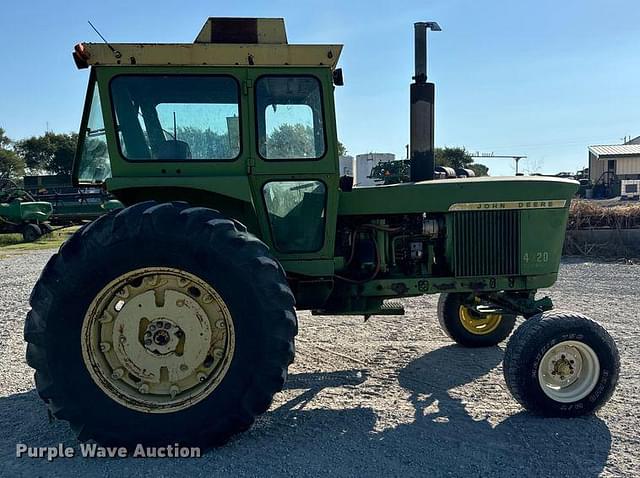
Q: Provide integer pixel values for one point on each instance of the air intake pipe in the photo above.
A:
(422, 96)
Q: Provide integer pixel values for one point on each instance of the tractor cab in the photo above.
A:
(240, 118)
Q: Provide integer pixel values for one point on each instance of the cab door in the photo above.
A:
(293, 165)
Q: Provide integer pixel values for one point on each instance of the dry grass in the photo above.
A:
(584, 214)
(608, 219)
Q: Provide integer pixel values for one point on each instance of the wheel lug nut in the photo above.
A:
(147, 342)
(144, 388)
(105, 346)
(173, 391)
(117, 374)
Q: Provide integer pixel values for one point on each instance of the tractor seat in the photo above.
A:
(174, 149)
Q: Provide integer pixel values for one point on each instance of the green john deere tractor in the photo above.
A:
(173, 320)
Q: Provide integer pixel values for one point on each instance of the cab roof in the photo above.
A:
(221, 42)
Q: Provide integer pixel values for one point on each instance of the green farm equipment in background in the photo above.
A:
(71, 205)
(47, 203)
(21, 213)
(173, 319)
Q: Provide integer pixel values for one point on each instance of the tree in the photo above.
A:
(51, 152)
(479, 169)
(11, 165)
(392, 172)
(5, 142)
(207, 144)
(342, 149)
(457, 158)
(291, 141)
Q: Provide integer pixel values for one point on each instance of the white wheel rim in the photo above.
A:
(569, 371)
(158, 339)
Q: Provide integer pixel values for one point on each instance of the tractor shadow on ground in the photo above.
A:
(443, 439)
(306, 438)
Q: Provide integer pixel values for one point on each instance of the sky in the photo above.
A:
(544, 79)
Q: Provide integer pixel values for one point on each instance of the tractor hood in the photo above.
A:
(464, 194)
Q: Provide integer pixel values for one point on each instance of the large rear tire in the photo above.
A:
(469, 328)
(161, 324)
(561, 364)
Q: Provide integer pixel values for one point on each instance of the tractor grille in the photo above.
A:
(486, 243)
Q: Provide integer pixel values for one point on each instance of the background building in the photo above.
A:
(609, 164)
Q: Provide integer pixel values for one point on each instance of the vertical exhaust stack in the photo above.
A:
(422, 109)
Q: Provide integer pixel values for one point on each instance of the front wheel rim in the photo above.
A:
(478, 324)
(569, 371)
(158, 339)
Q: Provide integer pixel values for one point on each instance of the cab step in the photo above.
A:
(391, 307)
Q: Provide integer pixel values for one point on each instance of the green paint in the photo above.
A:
(18, 211)
(237, 188)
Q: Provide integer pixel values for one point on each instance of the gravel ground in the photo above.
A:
(388, 397)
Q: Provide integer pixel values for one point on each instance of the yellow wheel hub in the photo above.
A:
(478, 324)
(158, 339)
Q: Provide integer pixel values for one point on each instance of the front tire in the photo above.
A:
(469, 328)
(212, 291)
(561, 364)
(31, 232)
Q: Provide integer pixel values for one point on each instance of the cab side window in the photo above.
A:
(177, 117)
(290, 118)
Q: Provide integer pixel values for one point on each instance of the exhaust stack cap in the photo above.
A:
(433, 26)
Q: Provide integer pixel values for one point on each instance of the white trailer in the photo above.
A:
(630, 189)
